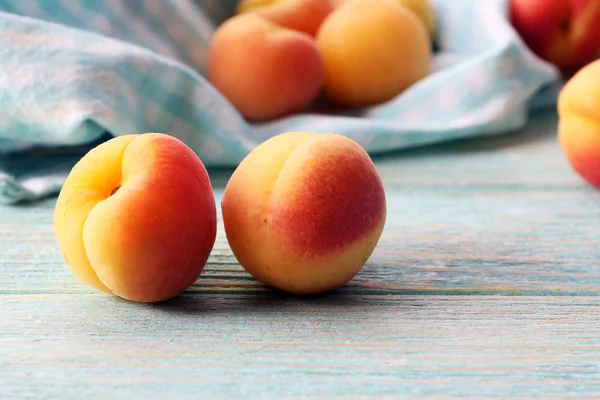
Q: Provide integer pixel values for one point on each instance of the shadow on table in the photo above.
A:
(263, 300)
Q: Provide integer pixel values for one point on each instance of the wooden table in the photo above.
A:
(485, 285)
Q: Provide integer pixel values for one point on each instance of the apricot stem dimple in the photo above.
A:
(115, 190)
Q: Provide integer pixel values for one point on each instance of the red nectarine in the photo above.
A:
(565, 33)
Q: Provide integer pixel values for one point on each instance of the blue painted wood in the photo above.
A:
(486, 284)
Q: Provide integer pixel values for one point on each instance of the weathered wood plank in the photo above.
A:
(268, 345)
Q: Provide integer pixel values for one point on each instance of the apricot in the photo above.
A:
(301, 15)
(303, 212)
(423, 9)
(136, 217)
(264, 70)
(579, 122)
(373, 50)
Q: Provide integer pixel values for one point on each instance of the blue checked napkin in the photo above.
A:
(76, 72)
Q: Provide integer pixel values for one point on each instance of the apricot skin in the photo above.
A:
(579, 123)
(136, 217)
(373, 50)
(303, 212)
(301, 15)
(423, 9)
(264, 70)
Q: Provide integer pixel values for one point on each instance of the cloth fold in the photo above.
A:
(76, 72)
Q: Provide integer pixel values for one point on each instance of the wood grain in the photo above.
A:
(485, 285)
(268, 345)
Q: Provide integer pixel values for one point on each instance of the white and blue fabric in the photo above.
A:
(74, 73)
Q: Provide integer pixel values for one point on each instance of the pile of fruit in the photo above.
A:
(303, 211)
(137, 217)
(276, 57)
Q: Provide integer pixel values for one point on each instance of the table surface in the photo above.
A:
(485, 285)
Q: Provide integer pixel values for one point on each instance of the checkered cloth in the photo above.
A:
(76, 72)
